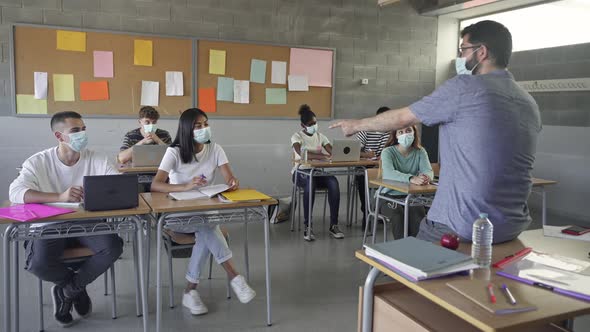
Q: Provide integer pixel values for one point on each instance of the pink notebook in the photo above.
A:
(28, 212)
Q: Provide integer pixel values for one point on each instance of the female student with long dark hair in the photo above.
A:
(314, 143)
(190, 162)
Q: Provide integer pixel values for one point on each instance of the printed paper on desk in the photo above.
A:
(316, 64)
(279, 72)
(103, 64)
(298, 83)
(241, 92)
(174, 83)
(150, 93)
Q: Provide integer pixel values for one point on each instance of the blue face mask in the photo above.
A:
(312, 129)
(150, 128)
(461, 65)
(202, 136)
(78, 141)
(406, 140)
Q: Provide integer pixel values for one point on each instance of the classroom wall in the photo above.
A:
(393, 47)
(563, 151)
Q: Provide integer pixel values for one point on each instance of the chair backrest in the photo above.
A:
(370, 174)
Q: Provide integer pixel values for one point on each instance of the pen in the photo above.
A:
(491, 292)
(509, 294)
(203, 177)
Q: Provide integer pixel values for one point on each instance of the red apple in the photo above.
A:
(450, 241)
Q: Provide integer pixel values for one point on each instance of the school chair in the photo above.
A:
(182, 244)
(74, 258)
(298, 195)
(370, 213)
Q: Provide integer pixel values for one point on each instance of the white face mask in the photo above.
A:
(461, 65)
(312, 129)
(202, 136)
(78, 141)
(406, 140)
(150, 128)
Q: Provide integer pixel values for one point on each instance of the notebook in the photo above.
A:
(477, 291)
(28, 212)
(204, 192)
(245, 195)
(419, 259)
(563, 275)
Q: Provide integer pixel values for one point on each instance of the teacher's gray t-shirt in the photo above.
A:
(488, 138)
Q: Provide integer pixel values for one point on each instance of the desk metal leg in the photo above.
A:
(142, 284)
(310, 209)
(406, 214)
(367, 314)
(544, 206)
(7, 290)
(159, 272)
(348, 198)
(148, 248)
(267, 265)
(294, 201)
(246, 245)
(16, 305)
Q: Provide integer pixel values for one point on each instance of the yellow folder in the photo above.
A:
(244, 195)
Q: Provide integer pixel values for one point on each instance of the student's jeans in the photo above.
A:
(328, 182)
(396, 216)
(208, 239)
(44, 260)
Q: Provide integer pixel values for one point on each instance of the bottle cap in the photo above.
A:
(483, 215)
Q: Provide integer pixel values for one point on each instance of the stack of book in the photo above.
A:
(419, 260)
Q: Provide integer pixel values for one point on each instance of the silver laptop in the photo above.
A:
(346, 150)
(147, 155)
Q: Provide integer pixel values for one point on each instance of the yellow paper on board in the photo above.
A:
(27, 104)
(143, 52)
(71, 41)
(216, 62)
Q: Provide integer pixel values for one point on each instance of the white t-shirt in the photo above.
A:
(314, 143)
(207, 161)
(44, 172)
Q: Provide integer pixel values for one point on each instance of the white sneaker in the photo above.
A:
(242, 289)
(193, 302)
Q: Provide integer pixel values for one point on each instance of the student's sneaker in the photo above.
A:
(83, 304)
(308, 234)
(244, 292)
(335, 232)
(62, 307)
(193, 302)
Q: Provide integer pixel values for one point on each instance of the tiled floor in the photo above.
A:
(315, 288)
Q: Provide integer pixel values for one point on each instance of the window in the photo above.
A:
(552, 24)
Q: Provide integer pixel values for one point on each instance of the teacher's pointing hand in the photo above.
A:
(349, 127)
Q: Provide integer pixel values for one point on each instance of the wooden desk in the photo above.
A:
(552, 307)
(329, 169)
(412, 190)
(65, 227)
(226, 213)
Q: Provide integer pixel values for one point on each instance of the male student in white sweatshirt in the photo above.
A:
(56, 175)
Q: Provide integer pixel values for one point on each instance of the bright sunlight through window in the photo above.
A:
(552, 24)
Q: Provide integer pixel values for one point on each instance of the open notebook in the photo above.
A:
(477, 291)
(204, 192)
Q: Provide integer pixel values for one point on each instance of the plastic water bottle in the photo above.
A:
(304, 154)
(483, 233)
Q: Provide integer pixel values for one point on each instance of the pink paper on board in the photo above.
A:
(103, 64)
(315, 64)
(28, 212)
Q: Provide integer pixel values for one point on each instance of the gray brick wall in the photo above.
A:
(557, 108)
(393, 47)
